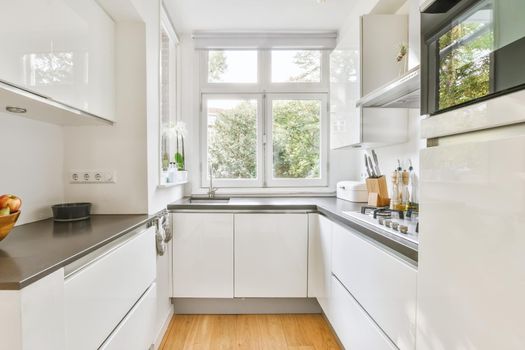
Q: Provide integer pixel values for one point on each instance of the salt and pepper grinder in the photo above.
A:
(413, 202)
(405, 194)
(396, 202)
(393, 201)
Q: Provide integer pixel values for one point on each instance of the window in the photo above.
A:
(232, 136)
(296, 66)
(264, 118)
(232, 66)
(296, 140)
(171, 141)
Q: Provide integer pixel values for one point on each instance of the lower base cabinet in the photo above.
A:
(242, 255)
(271, 255)
(202, 255)
(136, 330)
(320, 261)
(355, 329)
(98, 295)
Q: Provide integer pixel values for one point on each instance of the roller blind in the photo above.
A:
(273, 41)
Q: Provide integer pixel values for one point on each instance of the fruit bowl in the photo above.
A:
(7, 223)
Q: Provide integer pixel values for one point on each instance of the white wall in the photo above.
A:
(122, 147)
(131, 146)
(31, 165)
(389, 155)
(157, 197)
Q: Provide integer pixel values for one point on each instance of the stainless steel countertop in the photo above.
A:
(330, 207)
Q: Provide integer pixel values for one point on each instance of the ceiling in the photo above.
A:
(257, 15)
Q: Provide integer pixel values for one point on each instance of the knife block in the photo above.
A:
(377, 192)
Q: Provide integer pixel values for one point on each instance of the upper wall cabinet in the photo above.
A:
(62, 51)
(365, 59)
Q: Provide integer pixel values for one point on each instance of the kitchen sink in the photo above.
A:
(207, 200)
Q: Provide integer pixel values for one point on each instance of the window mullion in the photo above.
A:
(264, 140)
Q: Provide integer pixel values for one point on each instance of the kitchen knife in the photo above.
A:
(367, 167)
(376, 162)
(374, 175)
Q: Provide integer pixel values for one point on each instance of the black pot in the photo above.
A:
(71, 211)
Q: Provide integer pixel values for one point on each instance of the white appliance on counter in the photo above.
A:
(353, 191)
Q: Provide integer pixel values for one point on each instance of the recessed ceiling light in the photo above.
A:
(13, 109)
(321, 1)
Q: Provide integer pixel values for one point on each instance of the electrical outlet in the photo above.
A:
(91, 177)
(74, 177)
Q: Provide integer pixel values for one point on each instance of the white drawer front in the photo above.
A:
(383, 284)
(136, 331)
(99, 296)
(353, 326)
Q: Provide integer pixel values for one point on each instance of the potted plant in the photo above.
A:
(179, 132)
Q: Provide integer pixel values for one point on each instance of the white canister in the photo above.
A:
(353, 191)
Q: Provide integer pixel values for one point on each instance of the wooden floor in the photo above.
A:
(249, 332)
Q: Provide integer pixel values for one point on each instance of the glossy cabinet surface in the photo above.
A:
(472, 264)
(271, 255)
(360, 64)
(163, 289)
(383, 284)
(99, 295)
(355, 329)
(320, 260)
(202, 255)
(135, 332)
(63, 49)
(345, 89)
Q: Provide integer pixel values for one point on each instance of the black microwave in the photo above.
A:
(472, 50)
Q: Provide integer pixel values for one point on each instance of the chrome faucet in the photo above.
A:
(211, 189)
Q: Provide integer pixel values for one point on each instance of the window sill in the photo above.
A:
(172, 184)
(274, 191)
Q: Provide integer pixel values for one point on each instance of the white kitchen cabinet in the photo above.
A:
(100, 293)
(472, 263)
(355, 329)
(320, 260)
(383, 284)
(202, 255)
(63, 49)
(135, 332)
(364, 60)
(381, 38)
(345, 88)
(163, 291)
(33, 318)
(271, 255)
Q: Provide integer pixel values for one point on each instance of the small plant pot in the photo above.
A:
(71, 212)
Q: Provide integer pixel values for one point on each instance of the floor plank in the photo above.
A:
(249, 332)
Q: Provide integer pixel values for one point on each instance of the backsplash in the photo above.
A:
(32, 165)
(389, 155)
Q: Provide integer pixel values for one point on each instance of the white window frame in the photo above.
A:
(166, 25)
(258, 181)
(323, 161)
(264, 90)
